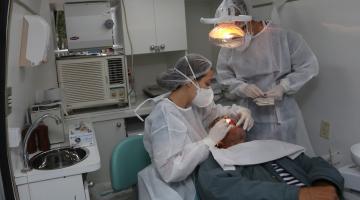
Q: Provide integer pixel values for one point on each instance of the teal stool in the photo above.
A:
(127, 159)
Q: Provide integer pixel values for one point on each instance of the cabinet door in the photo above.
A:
(69, 188)
(171, 24)
(108, 134)
(141, 23)
(23, 191)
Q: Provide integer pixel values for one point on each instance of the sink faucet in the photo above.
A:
(28, 134)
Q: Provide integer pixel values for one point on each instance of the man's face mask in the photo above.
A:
(245, 26)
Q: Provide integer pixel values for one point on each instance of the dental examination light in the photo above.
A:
(226, 32)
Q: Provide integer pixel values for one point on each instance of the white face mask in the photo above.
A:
(204, 96)
(247, 41)
(248, 37)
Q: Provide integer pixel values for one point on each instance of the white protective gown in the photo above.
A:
(275, 55)
(173, 138)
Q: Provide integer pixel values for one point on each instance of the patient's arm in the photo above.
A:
(320, 172)
(324, 192)
(321, 190)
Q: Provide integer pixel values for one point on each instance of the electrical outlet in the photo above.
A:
(325, 129)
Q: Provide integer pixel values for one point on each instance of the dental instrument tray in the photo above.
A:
(269, 101)
(153, 91)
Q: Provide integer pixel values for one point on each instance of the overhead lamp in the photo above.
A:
(227, 35)
(225, 32)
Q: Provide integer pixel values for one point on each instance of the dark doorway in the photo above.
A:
(5, 170)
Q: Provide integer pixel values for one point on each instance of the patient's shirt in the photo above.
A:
(286, 176)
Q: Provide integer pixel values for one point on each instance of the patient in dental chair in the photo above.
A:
(284, 178)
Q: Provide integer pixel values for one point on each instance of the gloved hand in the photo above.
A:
(318, 193)
(245, 118)
(217, 133)
(251, 90)
(276, 92)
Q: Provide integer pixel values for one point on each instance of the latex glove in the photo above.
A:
(245, 118)
(276, 92)
(217, 133)
(318, 193)
(252, 91)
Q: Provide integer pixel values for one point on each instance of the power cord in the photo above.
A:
(132, 81)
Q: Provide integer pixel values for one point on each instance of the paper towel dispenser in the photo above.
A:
(34, 41)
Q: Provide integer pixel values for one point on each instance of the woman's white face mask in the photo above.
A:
(204, 96)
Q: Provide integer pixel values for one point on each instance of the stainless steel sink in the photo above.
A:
(58, 158)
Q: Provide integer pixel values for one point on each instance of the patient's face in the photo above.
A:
(236, 135)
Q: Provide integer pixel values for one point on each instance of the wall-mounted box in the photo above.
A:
(88, 25)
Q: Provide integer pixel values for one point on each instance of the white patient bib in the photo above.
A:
(255, 152)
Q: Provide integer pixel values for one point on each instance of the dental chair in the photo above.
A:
(127, 159)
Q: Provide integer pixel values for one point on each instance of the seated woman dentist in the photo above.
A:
(174, 135)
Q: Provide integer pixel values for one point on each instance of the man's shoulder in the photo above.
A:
(275, 28)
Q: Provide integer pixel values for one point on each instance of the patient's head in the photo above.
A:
(235, 135)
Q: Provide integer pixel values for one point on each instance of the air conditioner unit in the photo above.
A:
(93, 82)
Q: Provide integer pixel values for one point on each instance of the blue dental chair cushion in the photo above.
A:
(128, 158)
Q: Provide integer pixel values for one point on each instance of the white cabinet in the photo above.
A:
(154, 26)
(108, 133)
(70, 188)
(23, 191)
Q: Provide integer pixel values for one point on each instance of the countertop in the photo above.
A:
(351, 174)
(90, 164)
(127, 112)
(120, 112)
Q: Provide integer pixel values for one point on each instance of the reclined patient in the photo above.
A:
(285, 178)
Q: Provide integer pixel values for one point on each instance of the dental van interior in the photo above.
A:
(77, 75)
